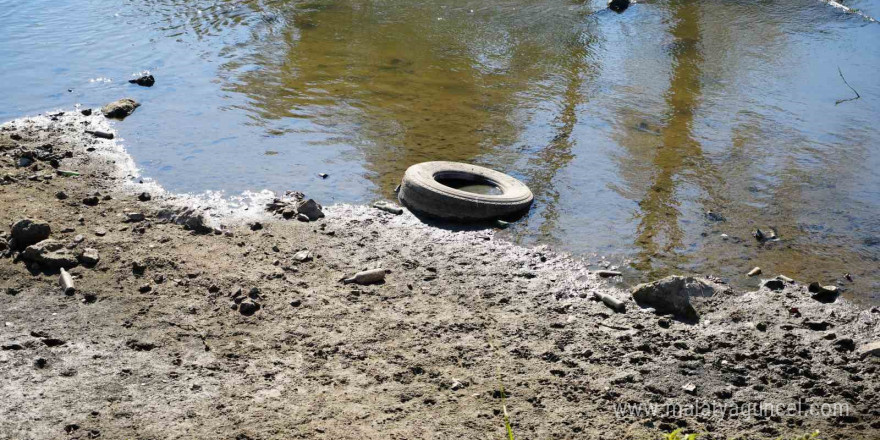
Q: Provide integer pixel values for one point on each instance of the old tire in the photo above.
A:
(421, 191)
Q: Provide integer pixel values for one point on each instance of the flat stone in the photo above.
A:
(870, 349)
(89, 257)
(50, 253)
(672, 295)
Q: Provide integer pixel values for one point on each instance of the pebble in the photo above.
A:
(100, 232)
(302, 217)
(61, 195)
(608, 273)
(144, 197)
(754, 272)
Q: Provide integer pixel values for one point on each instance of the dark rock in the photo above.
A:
(26, 232)
(90, 201)
(672, 295)
(823, 294)
(310, 208)
(120, 109)
(100, 134)
(40, 363)
(144, 196)
(146, 81)
(139, 345)
(774, 284)
(86, 112)
(256, 226)
(819, 326)
(248, 308)
(618, 5)
(135, 217)
(61, 195)
(844, 344)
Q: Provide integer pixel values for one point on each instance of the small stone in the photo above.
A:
(302, 218)
(785, 278)
(145, 288)
(823, 294)
(775, 285)
(90, 201)
(135, 217)
(870, 349)
(256, 226)
(89, 256)
(61, 195)
(618, 5)
(302, 256)
(120, 109)
(754, 272)
(248, 308)
(100, 134)
(761, 326)
(844, 344)
(608, 273)
(145, 81)
(40, 363)
(86, 112)
(295, 303)
(323, 175)
(310, 208)
(145, 197)
(689, 388)
(100, 232)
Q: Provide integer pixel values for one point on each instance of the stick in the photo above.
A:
(849, 10)
(850, 87)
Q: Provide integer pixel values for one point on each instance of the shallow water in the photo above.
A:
(627, 128)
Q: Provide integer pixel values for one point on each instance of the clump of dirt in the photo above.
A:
(179, 327)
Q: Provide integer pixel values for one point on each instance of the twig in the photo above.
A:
(850, 87)
(849, 10)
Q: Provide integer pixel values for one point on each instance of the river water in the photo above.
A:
(627, 127)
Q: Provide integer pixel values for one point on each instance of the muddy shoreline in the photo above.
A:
(154, 343)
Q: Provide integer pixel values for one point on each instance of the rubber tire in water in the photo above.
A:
(421, 192)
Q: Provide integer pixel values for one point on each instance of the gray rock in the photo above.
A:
(302, 256)
(135, 217)
(302, 217)
(310, 208)
(50, 253)
(120, 109)
(26, 232)
(89, 257)
(870, 349)
(672, 295)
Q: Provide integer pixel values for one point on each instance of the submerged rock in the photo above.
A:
(672, 295)
(618, 5)
(146, 81)
(120, 109)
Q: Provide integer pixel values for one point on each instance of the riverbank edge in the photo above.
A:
(544, 289)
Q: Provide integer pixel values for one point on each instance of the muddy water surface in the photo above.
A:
(627, 127)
